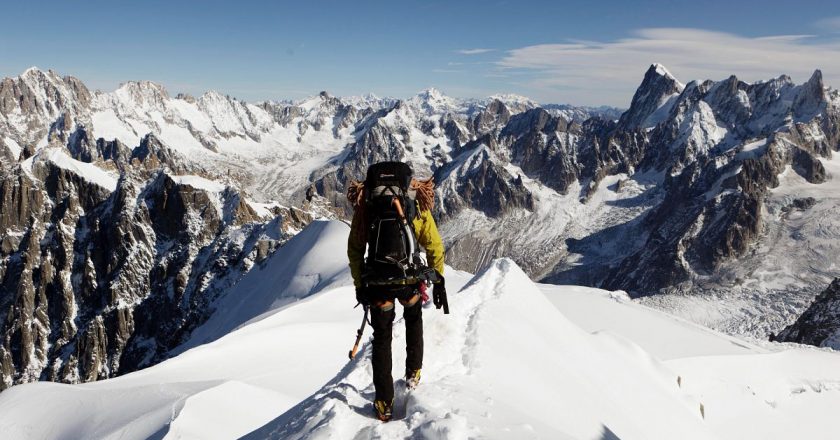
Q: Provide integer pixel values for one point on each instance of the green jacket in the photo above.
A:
(427, 236)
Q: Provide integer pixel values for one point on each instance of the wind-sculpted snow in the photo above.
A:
(505, 364)
(295, 271)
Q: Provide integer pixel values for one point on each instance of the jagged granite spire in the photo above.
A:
(811, 99)
(647, 107)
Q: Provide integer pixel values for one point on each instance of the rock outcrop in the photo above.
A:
(103, 273)
(820, 324)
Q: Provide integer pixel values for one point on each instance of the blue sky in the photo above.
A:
(579, 52)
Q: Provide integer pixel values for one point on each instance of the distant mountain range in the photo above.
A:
(127, 215)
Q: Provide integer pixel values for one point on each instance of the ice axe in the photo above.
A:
(359, 333)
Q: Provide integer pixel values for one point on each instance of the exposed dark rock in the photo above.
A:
(495, 115)
(64, 96)
(186, 97)
(820, 324)
(152, 154)
(801, 204)
(808, 167)
(486, 185)
(98, 283)
(656, 87)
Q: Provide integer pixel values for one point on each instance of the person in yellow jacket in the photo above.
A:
(381, 296)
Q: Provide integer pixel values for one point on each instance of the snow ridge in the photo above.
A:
(471, 355)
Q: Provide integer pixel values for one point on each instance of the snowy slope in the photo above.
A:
(226, 388)
(513, 360)
(790, 394)
(507, 364)
(89, 172)
(295, 271)
(662, 335)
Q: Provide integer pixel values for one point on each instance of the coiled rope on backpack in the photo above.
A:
(424, 188)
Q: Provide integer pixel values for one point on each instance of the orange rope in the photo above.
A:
(425, 193)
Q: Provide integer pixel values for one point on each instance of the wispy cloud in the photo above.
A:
(831, 24)
(595, 72)
(447, 71)
(474, 51)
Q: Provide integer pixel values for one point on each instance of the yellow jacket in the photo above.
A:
(427, 235)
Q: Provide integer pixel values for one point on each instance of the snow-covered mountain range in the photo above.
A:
(126, 214)
(127, 217)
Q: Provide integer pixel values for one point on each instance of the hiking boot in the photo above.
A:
(412, 378)
(383, 409)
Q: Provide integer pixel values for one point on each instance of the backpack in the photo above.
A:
(390, 207)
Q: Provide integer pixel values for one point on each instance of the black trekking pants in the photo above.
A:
(382, 321)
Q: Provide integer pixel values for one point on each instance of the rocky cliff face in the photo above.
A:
(820, 324)
(104, 273)
(717, 176)
(31, 104)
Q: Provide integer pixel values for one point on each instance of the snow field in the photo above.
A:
(13, 146)
(87, 171)
(789, 394)
(660, 334)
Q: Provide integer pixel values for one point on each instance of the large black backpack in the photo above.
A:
(393, 253)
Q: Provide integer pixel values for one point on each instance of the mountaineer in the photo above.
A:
(391, 217)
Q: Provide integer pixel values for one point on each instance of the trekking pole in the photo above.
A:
(359, 334)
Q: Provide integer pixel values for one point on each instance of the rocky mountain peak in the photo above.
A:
(651, 101)
(496, 114)
(213, 95)
(34, 70)
(35, 75)
(514, 103)
(816, 81)
(662, 71)
(811, 99)
(152, 154)
(186, 97)
(431, 94)
(143, 95)
(433, 101)
(323, 101)
(31, 103)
